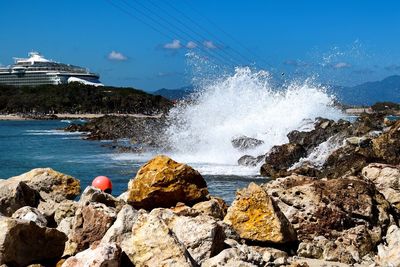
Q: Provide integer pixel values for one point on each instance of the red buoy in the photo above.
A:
(103, 183)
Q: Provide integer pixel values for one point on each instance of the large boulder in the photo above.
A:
(154, 244)
(280, 158)
(96, 256)
(163, 182)
(15, 195)
(202, 236)
(323, 130)
(333, 209)
(49, 183)
(90, 223)
(255, 217)
(387, 180)
(23, 243)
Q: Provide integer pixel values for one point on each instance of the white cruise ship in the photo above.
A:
(37, 70)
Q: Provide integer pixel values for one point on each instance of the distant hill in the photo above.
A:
(386, 90)
(174, 94)
(78, 98)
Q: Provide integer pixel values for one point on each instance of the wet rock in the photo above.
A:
(340, 210)
(387, 180)
(359, 141)
(215, 207)
(255, 217)
(388, 254)
(202, 236)
(323, 129)
(23, 243)
(243, 142)
(96, 256)
(248, 160)
(50, 184)
(30, 214)
(15, 195)
(153, 244)
(90, 223)
(281, 158)
(163, 182)
(387, 146)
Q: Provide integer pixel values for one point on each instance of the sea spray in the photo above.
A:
(201, 129)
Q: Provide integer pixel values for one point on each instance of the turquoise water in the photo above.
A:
(25, 145)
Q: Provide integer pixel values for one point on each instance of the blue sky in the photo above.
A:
(142, 43)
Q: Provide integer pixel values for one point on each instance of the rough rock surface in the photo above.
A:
(244, 142)
(202, 236)
(90, 223)
(162, 182)
(387, 180)
(50, 183)
(389, 254)
(65, 209)
(96, 256)
(333, 209)
(153, 244)
(22, 243)
(215, 207)
(248, 160)
(255, 217)
(15, 195)
(281, 158)
(92, 194)
(30, 214)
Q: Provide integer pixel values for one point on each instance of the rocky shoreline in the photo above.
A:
(343, 211)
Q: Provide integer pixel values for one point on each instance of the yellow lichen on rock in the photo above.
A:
(163, 182)
(255, 217)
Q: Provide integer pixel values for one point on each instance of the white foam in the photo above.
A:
(51, 132)
(245, 103)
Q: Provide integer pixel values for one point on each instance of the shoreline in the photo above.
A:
(62, 116)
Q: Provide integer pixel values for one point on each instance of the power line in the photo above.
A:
(191, 29)
(188, 35)
(226, 33)
(175, 32)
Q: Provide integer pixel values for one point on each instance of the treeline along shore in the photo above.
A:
(76, 98)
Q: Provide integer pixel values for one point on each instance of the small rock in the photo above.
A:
(96, 256)
(92, 194)
(30, 214)
(248, 160)
(65, 225)
(388, 255)
(65, 209)
(215, 207)
(243, 142)
(255, 217)
(163, 182)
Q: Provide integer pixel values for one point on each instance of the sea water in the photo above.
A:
(25, 145)
(199, 133)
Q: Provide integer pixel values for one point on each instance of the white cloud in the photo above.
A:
(341, 65)
(191, 45)
(209, 45)
(175, 44)
(117, 56)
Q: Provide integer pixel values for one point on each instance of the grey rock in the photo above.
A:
(30, 214)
